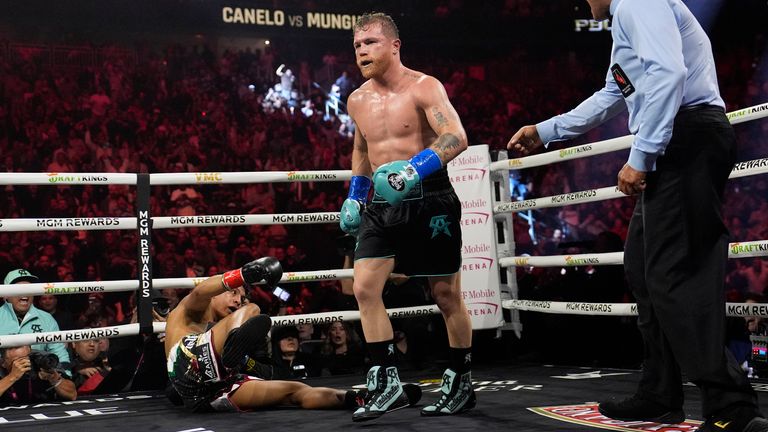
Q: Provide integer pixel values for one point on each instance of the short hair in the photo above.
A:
(388, 25)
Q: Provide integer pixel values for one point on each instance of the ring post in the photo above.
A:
(144, 224)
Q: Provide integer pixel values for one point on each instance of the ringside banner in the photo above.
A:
(470, 176)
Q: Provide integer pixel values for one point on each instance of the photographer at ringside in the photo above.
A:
(20, 316)
(32, 376)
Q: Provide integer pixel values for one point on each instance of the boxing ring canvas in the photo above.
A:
(514, 398)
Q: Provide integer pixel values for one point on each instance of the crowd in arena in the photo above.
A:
(188, 109)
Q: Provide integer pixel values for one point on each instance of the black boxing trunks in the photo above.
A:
(422, 234)
(196, 372)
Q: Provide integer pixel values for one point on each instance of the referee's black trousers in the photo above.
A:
(675, 259)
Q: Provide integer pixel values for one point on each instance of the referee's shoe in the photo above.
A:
(635, 408)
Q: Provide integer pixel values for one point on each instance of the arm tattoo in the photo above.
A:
(445, 145)
(441, 120)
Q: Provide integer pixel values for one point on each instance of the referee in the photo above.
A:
(663, 72)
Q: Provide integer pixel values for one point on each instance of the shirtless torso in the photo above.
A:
(192, 316)
(392, 122)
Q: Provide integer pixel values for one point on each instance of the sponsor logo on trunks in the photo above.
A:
(439, 225)
(206, 360)
(588, 415)
(467, 175)
(622, 80)
(190, 342)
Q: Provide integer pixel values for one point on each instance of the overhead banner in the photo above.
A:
(266, 17)
(470, 176)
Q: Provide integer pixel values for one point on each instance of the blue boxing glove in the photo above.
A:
(349, 217)
(394, 180)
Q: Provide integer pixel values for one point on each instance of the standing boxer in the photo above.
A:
(407, 131)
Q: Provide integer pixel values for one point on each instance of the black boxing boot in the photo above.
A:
(244, 341)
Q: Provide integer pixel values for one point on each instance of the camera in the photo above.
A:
(161, 306)
(45, 361)
(281, 294)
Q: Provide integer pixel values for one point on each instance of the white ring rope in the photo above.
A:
(735, 250)
(248, 177)
(159, 327)
(741, 169)
(561, 200)
(159, 179)
(57, 288)
(619, 309)
(53, 178)
(568, 308)
(750, 249)
(610, 145)
(163, 222)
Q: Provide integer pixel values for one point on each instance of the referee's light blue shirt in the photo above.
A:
(667, 58)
